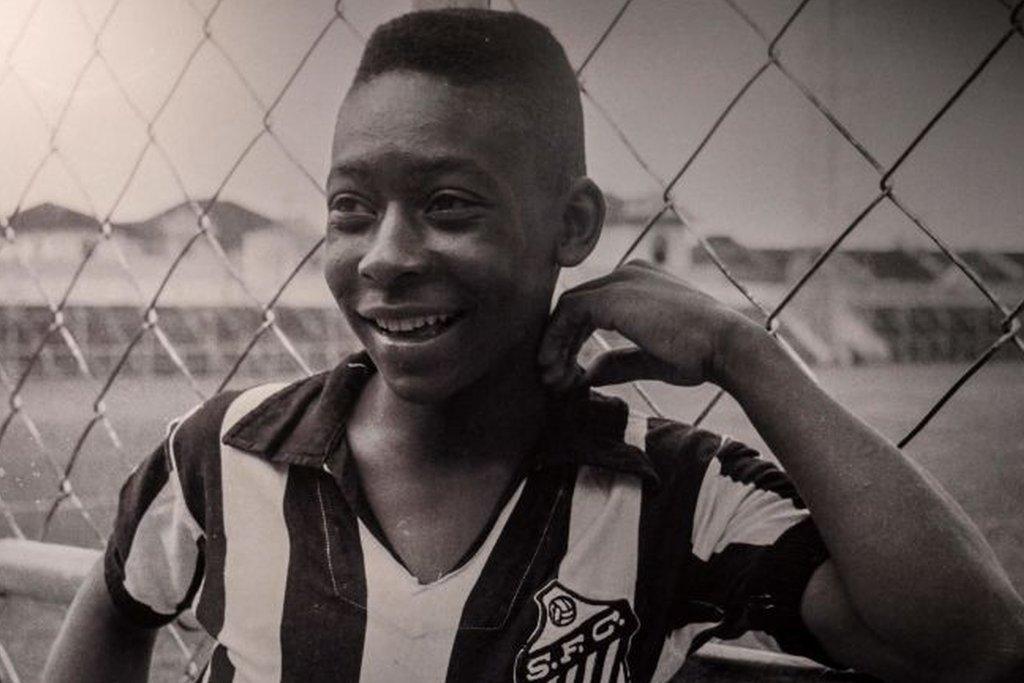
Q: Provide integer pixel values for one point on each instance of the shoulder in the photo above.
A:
(193, 442)
(688, 459)
(200, 426)
(196, 434)
(262, 406)
(680, 452)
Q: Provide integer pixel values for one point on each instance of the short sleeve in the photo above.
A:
(154, 557)
(756, 548)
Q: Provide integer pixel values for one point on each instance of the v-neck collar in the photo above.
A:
(304, 424)
(355, 497)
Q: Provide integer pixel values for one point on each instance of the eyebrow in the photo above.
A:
(364, 170)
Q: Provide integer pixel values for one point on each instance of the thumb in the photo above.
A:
(619, 366)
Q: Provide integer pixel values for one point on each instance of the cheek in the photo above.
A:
(516, 294)
(340, 268)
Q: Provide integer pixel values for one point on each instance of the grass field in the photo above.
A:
(974, 446)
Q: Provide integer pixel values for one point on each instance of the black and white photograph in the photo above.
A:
(577, 341)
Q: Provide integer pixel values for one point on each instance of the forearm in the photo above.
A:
(914, 567)
(912, 576)
(97, 644)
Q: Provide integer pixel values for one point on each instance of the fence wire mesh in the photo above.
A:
(149, 323)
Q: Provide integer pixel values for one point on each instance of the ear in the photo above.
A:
(581, 222)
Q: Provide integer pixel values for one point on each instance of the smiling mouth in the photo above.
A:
(418, 328)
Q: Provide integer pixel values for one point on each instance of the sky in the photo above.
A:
(775, 174)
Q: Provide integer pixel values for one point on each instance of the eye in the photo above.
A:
(349, 212)
(351, 203)
(448, 205)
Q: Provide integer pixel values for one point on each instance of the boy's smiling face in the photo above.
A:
(441, 238)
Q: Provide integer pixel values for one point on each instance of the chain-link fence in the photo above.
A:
(257, 319)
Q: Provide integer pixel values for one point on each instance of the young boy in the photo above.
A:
(454, 503)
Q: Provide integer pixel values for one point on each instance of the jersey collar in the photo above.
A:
(304, 424)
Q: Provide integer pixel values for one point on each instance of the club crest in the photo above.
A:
(577, 639)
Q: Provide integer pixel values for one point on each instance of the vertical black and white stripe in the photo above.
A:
(699, 537)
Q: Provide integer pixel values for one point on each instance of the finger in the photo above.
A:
(640, 263)
(564, 370)
(572, 351)
(654, 269)
(619, 366)
(566, 323)
(624, 272)
(565, 381)
(595, 283)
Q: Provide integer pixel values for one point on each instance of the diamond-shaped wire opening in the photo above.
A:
(208, 123)
(28, 482)
(974, 154)
(14, 20)
(147, 56)
(615, 164)
(31, 144)
(767, 176)
(101, 138)
(885, 108)
(51, 55)
(264, 355)
(968, 425)
(635, 67)
(267, 39)
(303, 121)
(276, 230)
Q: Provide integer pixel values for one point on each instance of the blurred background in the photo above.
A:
(847, 172)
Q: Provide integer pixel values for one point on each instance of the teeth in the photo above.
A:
(409, 324)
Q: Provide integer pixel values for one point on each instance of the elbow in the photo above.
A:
(989, 649)
(1007, 667)
(997, 659)
(1016, 673)
(1003, 669)
(1009, 664)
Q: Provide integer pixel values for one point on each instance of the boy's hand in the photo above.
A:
(680, 333)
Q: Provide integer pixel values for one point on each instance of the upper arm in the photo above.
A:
(154, 557)
(154, 560)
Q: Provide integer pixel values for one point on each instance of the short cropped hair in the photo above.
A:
(514, 55)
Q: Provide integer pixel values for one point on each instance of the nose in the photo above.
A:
(397, 249)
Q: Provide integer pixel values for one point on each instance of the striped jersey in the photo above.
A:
(624, 547)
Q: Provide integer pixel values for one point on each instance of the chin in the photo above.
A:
(420, 389)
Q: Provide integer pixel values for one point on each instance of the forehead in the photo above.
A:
(428, 122)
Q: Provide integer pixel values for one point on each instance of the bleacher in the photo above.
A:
(892, 265)
(209, 340)
(921, 307)
(921, 334)
(914, 326)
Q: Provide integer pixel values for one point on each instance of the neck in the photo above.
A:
(496, 419)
